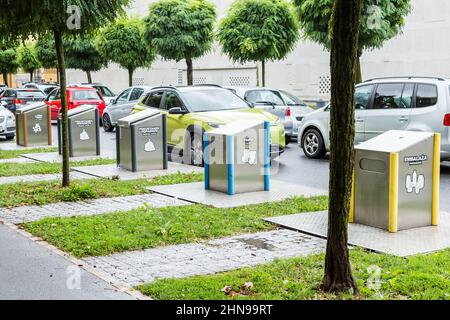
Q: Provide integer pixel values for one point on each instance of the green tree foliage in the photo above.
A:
(46, 52)
(27, 58)
(181, 30)
(8, 59)
(25, 18)
(82, 54)
(123, 42)
(381, 20)
(258, 30)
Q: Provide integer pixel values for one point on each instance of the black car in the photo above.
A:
(13, 99)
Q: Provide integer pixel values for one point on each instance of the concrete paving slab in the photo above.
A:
(13, 146)
(403, 244)
(111, 170)
(54, 157)
(196, 193)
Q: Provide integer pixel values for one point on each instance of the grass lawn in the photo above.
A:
(23, 169)
(150, 227)
(11, 154)
(40, 193)
(419, 277)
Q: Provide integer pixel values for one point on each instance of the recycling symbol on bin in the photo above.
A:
(415, 182)
(84, 135)
(149, 146)
(249, 156)
(37, 128)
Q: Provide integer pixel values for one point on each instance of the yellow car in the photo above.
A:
(193, 110)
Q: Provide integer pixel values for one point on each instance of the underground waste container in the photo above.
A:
(237, 157)
(142, 141)
(84, 131)
(396, 181)
(33, 125)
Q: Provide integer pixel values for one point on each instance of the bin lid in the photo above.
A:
(80, 109)
(236, 127)
(137, 117)
(394, 141)
(30, 107)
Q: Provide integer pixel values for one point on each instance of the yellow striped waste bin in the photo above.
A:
(396, 181)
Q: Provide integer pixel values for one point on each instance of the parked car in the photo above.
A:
(122, 106)
(197, 109)
(7, 123)
(107, 94)
(286, 106)
(17, 98)
(46, 88)
(76, 96)
(383, 104)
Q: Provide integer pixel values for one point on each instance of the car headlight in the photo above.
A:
(276, 123)
(2, 119)
(215, 125)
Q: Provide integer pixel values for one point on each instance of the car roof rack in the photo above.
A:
(405, 77)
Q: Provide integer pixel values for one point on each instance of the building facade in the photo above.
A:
(421, 50)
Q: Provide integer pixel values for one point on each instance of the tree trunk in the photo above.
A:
(31, 76)
(64, 122)
(346, 16)
(89, 76)
(130, 77)
(5, 79)
(263, 72)
(359, 78)
(190, 71)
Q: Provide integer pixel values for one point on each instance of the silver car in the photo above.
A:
(7, 123)
(122, 106)
(383, 104)
(289, 108)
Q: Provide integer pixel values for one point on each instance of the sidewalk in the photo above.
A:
(29, 271)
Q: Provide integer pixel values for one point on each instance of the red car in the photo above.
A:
(76, 96)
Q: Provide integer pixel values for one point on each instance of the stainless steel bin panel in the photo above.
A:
(218, 166)
(126, 159)
(415, 185)
(20, 133)
(83, 134)
(37, 127)
(249, 151)
(149, 143)
(372, 188)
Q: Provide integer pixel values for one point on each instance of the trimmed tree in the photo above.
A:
(59, 17)
(181, 30)
(8, 59)
(27, 59)
(344, 50)
(123, 42)
(381, 20)
(82, 54)
(259, 30)
(46, 53)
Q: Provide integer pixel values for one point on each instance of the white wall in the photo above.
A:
(422, 49)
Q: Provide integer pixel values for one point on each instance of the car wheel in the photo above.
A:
(107, 126)
(288, 139)
(194, 155)
(313, 145)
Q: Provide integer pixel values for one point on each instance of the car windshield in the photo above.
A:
(264, 97)
(30, 94)
(104, 91)
(85, 95)
(292, 100)
(213, 100)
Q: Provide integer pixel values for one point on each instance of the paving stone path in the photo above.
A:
(86, 208)
(17, 160)
(179, 261)
(43, 177)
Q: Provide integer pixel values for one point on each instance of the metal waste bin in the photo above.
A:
(33, 125)
(142, 141)
(84, 131)
(396, 182)
(237, 157)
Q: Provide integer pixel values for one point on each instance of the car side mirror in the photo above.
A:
(4, 104)
(177, 110)
(113, 101)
